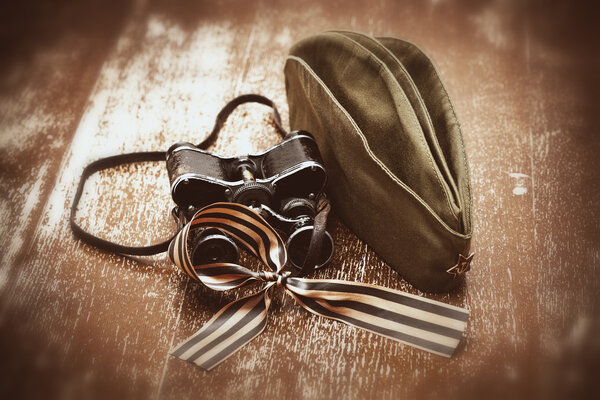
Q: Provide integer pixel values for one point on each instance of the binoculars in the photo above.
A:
(282, 184)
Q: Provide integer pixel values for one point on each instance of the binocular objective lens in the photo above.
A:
(213, 246)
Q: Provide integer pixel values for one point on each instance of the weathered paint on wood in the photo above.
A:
(76, 322)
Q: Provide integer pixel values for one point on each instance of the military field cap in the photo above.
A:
(393, 149)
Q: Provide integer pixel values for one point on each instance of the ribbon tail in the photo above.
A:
(419, 322)
(227, 331)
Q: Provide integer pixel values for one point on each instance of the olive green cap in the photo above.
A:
(393, 149)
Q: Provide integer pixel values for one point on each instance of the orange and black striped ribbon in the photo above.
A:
(419, 322)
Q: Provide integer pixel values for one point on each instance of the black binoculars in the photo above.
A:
(282, 183)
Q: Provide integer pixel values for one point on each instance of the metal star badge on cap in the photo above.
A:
(462, 265)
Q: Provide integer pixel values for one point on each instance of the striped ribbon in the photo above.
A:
(419, 322)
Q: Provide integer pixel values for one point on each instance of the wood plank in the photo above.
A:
(77, 322)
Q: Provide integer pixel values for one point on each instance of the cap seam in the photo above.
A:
(372, 155)
(455, 118)
(422, 140)
(414, 87)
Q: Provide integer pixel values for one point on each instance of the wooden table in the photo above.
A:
(90, 79)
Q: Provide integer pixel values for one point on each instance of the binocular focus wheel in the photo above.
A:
(298, 243)
(253, 193)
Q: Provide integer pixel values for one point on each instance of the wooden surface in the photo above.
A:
(82, 80)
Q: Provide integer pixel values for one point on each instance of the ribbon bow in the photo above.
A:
(419, 322)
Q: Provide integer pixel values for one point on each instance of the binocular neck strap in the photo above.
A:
(103, 244)
(114, 161)
(232, 105)
(317, 238)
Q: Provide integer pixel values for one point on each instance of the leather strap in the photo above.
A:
(105, 163)
(317, 238)
(228, 109)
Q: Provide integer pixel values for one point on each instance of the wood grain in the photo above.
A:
(79, 323)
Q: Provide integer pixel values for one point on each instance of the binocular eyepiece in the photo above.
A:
(210, 246)
(298, 243)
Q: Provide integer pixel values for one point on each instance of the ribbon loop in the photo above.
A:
(417, 321)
